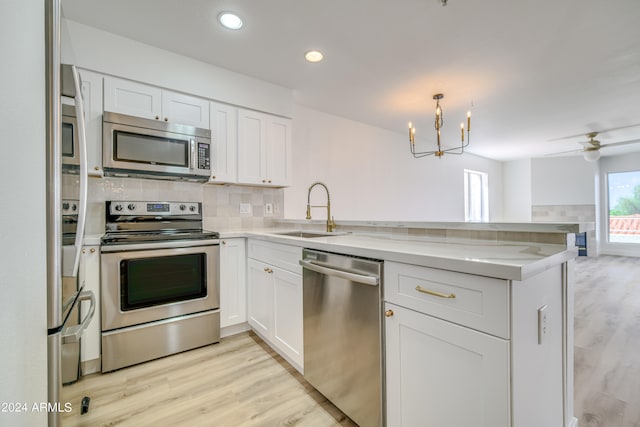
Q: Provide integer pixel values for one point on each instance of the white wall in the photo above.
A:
(23, 336)
(372, 176)
(562, 181)
(517, 190)
(108, 53)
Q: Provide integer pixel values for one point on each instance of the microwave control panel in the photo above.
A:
(204, 157)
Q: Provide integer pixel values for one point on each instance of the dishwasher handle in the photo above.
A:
(344, 274)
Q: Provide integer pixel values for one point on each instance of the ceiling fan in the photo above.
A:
(591, 147)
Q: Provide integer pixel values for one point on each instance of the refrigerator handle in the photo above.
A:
(84, 176)
(73, 333)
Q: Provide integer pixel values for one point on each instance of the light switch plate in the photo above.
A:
(542, 323)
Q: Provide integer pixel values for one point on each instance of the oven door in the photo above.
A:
(140, 286)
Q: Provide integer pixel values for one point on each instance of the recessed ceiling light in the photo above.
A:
(313, 56)
(230, 20)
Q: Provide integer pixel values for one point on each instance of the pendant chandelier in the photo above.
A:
(438, 125)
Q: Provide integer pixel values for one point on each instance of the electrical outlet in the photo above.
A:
(245, 208)
(268, 209)
(542, 323)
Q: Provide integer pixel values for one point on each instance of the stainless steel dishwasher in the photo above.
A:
(342, 332)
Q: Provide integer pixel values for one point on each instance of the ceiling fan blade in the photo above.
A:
(613, 144)
(563, 152)
(598, 132)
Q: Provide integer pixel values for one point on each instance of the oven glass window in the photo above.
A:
(147, 282)
(131, 147)
(67, 140)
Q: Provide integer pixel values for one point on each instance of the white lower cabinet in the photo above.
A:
(274, 287)
(442, 374)
(465, 350)
(233, 283)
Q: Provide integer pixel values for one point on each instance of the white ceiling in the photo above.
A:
(530, 71)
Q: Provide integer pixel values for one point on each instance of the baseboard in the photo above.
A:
(227, 331)
(92, 366)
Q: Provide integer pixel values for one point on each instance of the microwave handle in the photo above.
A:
(84, 176)
(194, 161)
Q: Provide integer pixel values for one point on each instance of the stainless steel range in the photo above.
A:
(160, 292)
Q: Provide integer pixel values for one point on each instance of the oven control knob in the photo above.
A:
(192, 208)
(74, 207)
(131, 206)
(65, 206)
(183, 207)
(118, 207)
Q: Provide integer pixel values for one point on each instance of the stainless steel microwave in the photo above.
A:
(144, 148)
(70, 150)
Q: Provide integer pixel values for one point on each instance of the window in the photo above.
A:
(624, 207)
(476, 196)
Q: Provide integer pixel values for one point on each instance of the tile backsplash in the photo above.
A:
(568, 213)
(220, 204)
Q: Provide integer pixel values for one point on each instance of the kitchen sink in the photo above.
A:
(306, 234)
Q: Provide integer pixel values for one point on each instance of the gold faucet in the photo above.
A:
(330, 223)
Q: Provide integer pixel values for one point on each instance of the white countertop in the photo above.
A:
(538, 227)
(500, 259)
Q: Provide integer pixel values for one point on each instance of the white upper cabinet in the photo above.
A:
(185, 109)
(264, 149)
(150, 102)
(224, 135)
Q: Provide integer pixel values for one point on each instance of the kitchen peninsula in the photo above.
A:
(478, 318)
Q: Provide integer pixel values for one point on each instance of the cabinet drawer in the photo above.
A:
(276, 254)
(479, 302)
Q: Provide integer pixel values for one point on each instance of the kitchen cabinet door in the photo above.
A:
(132, 98)
(151, 102)
(92, 95)
(279, 160)
(252, 141)
(287, 314)
(224, 135)
(260, 297)
(442, 374)
(233, 283)
(264, 149)
(89, 275)
(185, 109)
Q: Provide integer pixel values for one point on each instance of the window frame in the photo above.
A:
(484, 195)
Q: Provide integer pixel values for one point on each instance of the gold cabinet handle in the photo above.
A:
(166, 119)
(157, 117)
(388, 313)
(434, 293)
(224, 242)
(92, 250)
(268, 270)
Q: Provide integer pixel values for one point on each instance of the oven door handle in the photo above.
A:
(72, 334)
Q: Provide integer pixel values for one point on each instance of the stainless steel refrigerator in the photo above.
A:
(67, 182)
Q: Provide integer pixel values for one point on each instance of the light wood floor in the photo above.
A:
(238, 382)
(607, 342)
(242, 382)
